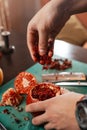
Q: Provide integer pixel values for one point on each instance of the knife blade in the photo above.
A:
(71, 84)
(2, 127)
(64, 76)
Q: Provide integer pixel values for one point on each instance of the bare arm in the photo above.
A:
(48, 22)
(78, 6)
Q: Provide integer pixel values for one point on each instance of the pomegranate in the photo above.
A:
(24, 81)
(11, 98)
(42, 91)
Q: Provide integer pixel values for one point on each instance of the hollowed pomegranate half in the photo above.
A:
(42, 91)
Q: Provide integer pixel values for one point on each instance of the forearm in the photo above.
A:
(78, 6)
(72, 6)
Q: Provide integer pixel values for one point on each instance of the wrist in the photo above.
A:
(81, 113)
(63, 6)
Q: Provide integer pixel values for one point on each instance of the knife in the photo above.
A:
(71, 84)
(2, 127)
(64, 76)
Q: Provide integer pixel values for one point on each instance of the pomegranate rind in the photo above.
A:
(24, 82)
(54, 88)
(11, 98)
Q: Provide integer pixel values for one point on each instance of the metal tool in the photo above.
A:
(64, 76)
(2, 127)
(72, 84)
(7, 49)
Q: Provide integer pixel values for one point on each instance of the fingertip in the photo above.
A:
(34, 121)
(42, 51)
(43, 42)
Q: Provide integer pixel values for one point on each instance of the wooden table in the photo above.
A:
(21, 60)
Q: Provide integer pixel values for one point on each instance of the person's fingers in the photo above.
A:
(41, 119)
(32, 39)
(43, 42)
(30, 42)
(35, 107)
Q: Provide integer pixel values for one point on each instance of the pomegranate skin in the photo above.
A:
(41, 92)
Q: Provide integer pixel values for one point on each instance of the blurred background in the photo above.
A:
(14, 17)
(15, 14)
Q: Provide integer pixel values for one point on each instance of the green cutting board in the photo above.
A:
(15, 120)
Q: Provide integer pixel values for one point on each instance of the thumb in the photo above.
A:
(43, 42)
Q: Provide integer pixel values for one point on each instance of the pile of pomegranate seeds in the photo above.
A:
(48, 62)
(58, 64)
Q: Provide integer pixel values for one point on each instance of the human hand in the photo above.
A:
(45, 25)
(59, 112)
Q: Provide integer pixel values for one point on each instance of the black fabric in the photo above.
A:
(82, 128)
